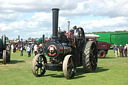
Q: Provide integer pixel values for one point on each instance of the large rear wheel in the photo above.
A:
(89, 57)
(69, 68)
(38, 65)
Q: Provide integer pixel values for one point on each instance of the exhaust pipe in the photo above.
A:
(55, 12)
(68, 25)
(43, 38)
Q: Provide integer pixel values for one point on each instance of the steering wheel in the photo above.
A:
(70, 35)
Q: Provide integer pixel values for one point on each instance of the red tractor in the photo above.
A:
(102, 47)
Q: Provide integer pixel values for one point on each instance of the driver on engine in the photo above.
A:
(77, 31)
(73, 30)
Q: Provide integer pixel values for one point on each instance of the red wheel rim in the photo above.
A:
(102, 54)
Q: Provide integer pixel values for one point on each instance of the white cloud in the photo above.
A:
(110, 8)
(111, 24)
(35, 26)
(3, 27)
(32, 18)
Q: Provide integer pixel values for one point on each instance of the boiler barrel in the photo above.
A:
(64, 49)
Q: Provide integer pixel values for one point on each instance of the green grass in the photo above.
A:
(110, 71)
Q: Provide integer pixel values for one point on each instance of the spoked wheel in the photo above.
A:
(90, 57)
(69, 68)
(38, 65)
(4, 56)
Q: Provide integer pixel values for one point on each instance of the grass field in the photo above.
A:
(110, 71)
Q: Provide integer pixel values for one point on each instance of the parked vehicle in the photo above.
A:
(113, 38)
(4, 49)
(102, 47)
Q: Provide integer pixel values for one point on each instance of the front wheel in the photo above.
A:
(38, 65)
(69, 68)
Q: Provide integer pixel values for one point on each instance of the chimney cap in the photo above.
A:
(55, 8)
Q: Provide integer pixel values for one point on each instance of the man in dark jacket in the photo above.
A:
(72, 30)
(21, 50)
(121, 51)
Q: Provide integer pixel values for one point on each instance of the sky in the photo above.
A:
(33, 18)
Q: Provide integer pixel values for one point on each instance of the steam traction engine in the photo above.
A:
(66, 52)
(4, 49)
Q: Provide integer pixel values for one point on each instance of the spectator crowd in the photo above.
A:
(122, 51)
(30, 49)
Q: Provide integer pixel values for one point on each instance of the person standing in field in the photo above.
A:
(21, 50)
(35, 49)
(116, 50)
(125, 50)
(28, 50)
(25, 48)
(12, 48)
(121, 50)
(32, 48)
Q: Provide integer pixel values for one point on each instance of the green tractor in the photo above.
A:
(4, 49)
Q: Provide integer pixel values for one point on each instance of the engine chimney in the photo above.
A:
(55, 12)
(43, 38)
